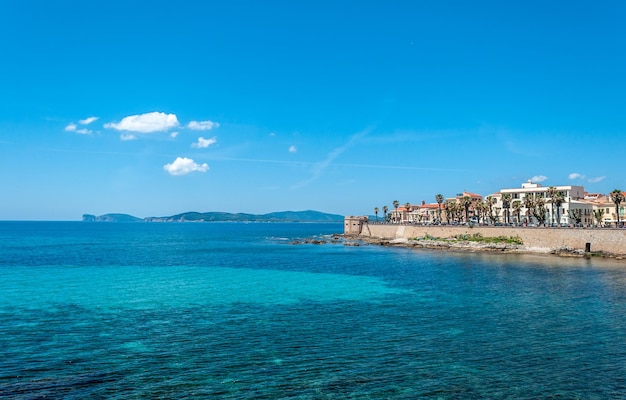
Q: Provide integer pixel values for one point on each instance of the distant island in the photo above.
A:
(282, 216)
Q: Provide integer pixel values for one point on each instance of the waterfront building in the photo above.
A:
(575, 207)
(573, 199)
(604, 204)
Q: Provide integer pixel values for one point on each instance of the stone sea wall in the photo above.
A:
(611, 241)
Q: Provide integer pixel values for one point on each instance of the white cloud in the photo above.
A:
(184, 166)
(87, 121)
(596, 180)
(538, 178)
(145, 123)
(71, 127)
(174, 134)
(203, 143)
(576, 175)
(127, 136)
(292, 149)
(84, 131)
(202, 125)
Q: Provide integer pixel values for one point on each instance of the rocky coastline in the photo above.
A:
(454, 244)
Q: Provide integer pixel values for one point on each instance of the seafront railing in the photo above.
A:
(516, 226)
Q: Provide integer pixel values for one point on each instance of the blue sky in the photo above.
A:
(155, 108)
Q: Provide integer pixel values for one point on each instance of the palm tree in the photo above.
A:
(439, 200)
(517, 208)
(506, 204)
(540, 210)
(489, 202)
(450, 207)
(558, 201)
(458, 210)
(617, 196)
(466, 202)
(551, 193)
(408, 210)
(485, 207)
(396, 204)
(478, 210)
(385, 209)
(529, 204)
(376, 212)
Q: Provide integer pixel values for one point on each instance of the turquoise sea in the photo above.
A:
(236, 311)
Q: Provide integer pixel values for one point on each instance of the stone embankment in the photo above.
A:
(562, 241)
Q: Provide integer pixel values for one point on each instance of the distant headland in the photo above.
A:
(282, 216)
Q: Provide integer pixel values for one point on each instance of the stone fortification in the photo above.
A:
(610, 241)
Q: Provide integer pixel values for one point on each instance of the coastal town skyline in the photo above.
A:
(154, 109)
(530, 204)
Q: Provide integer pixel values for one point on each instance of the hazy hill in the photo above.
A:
(111, 218)
(282, 216)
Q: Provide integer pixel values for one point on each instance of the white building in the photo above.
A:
(573, 204)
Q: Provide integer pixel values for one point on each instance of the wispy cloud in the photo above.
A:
(88, 121)
(292, 149)
(576, 175)
(538, 178)
(125, 137)
(72, 127)
(184, 166)
(202, 125)
(203, 143)
(145, 123)
(320, 167)
(596, 180)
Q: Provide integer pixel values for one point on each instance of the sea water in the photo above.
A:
(236, 311)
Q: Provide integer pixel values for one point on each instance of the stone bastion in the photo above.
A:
(605, 240)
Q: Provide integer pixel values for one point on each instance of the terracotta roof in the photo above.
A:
(430, 206)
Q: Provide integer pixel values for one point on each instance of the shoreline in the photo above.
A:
(477, 247)
(596, 243)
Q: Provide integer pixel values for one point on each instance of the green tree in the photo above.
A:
(576, 214)
(540, 210)
(617, 197)
(376, 212)
(599, 216)
(439, 200)
(385, 209)
(450, 208)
